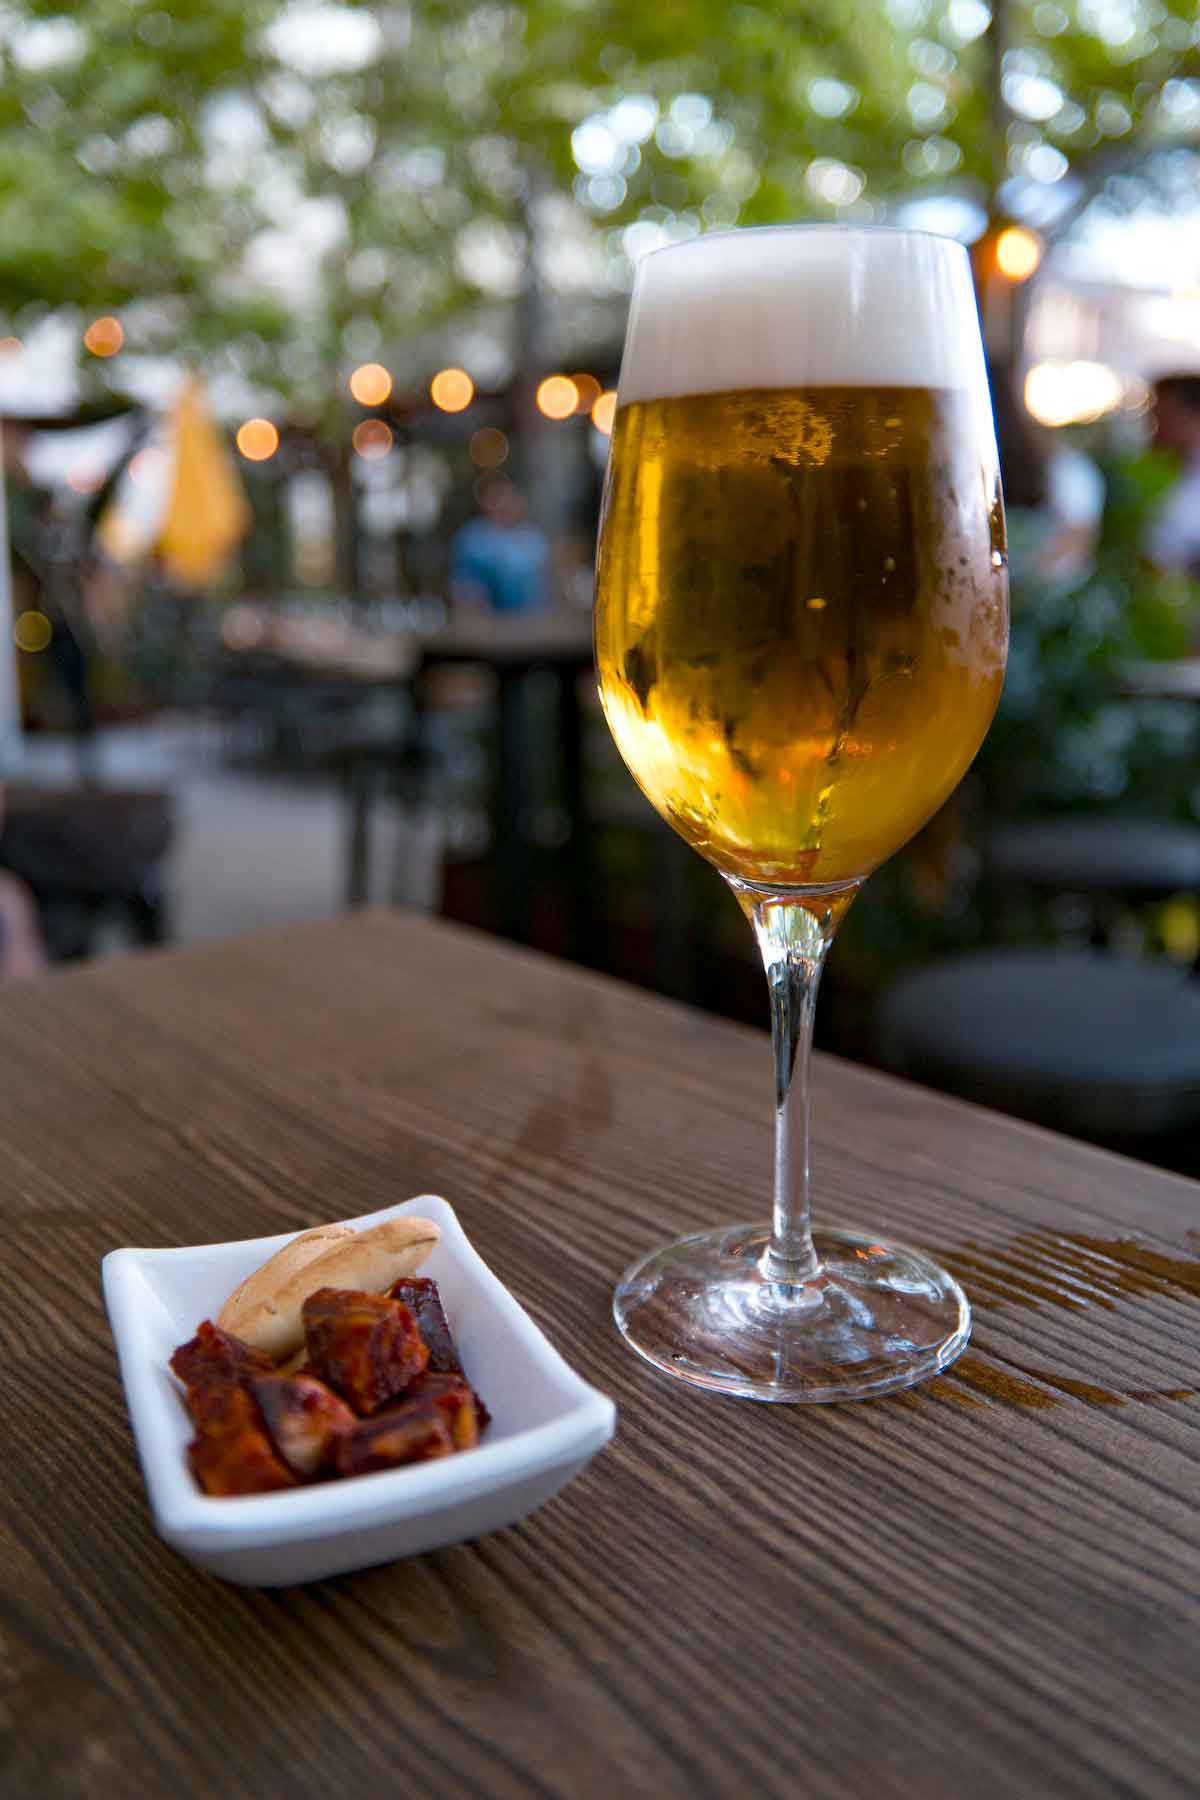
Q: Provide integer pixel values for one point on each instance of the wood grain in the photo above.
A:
(987, 1587)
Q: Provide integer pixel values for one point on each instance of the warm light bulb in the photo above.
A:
(557, 397)
(1074, 393)
(257, 439)
(604, 411)
(372, 439)
(587, 392)
(452, 390)
(105, 336)
(32, 631)
(1018, 253)
(370, 384)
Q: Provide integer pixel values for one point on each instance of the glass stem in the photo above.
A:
(793, 936)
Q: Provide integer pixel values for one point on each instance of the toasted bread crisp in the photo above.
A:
(258, 1291)
(269, 1313)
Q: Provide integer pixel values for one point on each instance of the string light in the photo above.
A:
(105, 336)
(557, 397)
(452, 390)
(32, 632)
(370, 384)
(258, 440)
(1018, 253)
(372, 439)
(587, 392)
(604, 411)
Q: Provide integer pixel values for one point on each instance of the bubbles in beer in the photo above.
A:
(799, 654)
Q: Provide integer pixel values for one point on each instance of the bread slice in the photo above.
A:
(257, 1292)
(267, 1306)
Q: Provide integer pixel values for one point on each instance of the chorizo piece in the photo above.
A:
(304, 1418)
(367, 1347)
(414, 1432)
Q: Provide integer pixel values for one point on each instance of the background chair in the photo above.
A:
(1088, 1040)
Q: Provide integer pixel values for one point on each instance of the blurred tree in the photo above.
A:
(283, 190)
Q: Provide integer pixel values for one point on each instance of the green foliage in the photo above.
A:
(116, 192)
(1070, 733)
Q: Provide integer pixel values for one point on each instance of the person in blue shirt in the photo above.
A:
(499, 559)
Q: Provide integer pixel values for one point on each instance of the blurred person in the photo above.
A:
(1074, 509)
(1058, 488)
(1173, 539)
(499, 559)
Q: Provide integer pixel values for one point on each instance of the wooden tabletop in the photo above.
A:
(984, 1588)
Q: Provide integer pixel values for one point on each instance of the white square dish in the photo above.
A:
(546, 1421)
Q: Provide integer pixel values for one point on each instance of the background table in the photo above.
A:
(987, 1587)
(511, 647)
(514, 646)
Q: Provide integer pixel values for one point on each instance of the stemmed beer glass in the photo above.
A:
(801, 628)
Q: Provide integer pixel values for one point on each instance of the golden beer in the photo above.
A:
(801, 617)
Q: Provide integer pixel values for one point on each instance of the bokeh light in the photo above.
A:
(835, 182)
(241, 628)
(604, 411)
(370, 384)
(489, 448)
(105, 336)
(1018, 253)
(1074, 393)
(372, 439)
(452, 390)
(1179, 923)
(557, 397)
(32, 631)
(587, 392)
(146, 467)
(258, 440)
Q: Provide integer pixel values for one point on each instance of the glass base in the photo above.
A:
(874, 1318)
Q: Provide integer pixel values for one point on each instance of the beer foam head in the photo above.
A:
(802, 306)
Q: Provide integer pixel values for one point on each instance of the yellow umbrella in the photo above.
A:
(207, 512)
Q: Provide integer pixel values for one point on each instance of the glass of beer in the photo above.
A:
(801, 629)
